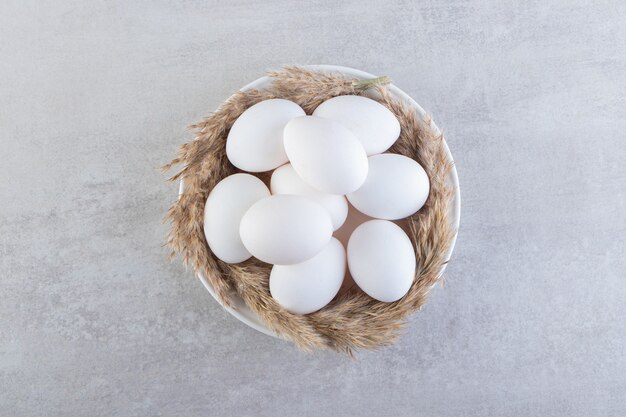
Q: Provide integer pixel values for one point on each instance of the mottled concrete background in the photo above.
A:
(95, 96)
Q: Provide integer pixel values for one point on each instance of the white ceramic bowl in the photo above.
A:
(239, 308)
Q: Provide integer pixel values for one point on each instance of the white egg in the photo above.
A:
(285, 180)
(255, 141)
(224, 208)
(308, 286)
(395, 188)
(381, 260)
(373, 124)
(285, 229)
(325, 154)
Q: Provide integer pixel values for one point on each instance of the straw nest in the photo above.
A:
(352, 320)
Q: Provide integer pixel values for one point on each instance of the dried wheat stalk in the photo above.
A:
(353, 320)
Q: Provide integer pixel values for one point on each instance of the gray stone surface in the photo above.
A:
(95, 96)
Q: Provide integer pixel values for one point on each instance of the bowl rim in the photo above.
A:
(239, 309)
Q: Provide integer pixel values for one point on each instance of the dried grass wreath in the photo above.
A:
(352, 320)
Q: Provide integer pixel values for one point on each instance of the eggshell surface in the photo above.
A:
(255, 141)
(325, 154)
(285, 180)
(395, 188)
(224, 208)
(285, 229)
(376, 127)
(381, 260)
(308, 286)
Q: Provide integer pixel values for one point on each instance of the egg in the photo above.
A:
(285, 180)
(308, 286)
(381, 260)
(395, 188)
(224, 208)
(285, 229)
(255, 141)
(376, 127)
(325, 154)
